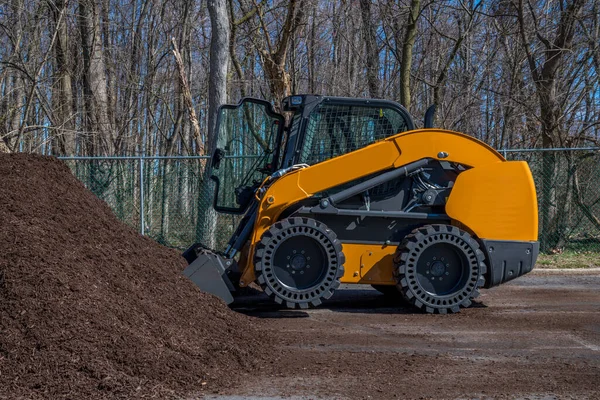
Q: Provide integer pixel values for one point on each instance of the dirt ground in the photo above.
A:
(537, 337)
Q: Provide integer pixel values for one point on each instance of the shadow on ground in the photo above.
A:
(351, 299)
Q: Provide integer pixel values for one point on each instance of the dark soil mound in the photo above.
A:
(89, 308)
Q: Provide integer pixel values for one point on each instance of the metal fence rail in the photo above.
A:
(170, 200)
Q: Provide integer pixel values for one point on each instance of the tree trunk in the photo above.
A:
(116, 135)
(312, 54)
(217, 95)
(219, 60)
(372, 51)
(407, 49)
(15, 83)
(94, 80)
(187, 99)
(64, 136)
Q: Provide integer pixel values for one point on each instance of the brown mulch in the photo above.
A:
(91, 309)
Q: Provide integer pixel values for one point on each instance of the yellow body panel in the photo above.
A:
(496, 201)
(393, 152)
(367, 263)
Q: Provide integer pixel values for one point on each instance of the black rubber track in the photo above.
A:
(418, 248)
(273, 270)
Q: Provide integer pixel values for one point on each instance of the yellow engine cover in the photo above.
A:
(496, 201)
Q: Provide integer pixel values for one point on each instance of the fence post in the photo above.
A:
(142, 222)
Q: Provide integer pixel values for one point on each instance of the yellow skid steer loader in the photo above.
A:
(348, 191)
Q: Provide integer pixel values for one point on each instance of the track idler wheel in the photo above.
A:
(299, 262)
(439, 268)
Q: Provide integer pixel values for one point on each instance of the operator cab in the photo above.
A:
(253, 140)
(324, 127)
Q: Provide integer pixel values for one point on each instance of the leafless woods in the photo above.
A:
(99, 77)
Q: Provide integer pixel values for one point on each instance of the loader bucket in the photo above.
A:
(208, 272)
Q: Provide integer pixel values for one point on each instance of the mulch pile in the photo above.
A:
(90, 309)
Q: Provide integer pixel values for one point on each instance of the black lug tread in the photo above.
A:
(414, 242)
(312, 297)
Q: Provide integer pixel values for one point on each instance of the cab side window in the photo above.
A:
(333, 130)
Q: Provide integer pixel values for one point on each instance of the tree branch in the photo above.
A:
(187, 96)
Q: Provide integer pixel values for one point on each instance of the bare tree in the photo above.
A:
(106, 85)
(407, 50)
(464, 22)
(219, 61)
(371, 48)
(187, 95)
(95, 86)
(14, 95)
(64, 138)
(274, 53)
(217, 95)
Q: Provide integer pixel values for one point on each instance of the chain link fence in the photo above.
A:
(166, 198)
(568, 189)
(170, 198)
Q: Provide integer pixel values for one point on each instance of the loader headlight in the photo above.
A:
(296, 100)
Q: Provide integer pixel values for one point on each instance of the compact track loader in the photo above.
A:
(350, 192)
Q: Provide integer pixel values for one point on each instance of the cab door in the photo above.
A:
(248, 141)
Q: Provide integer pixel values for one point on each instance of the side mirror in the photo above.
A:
(429, 116)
